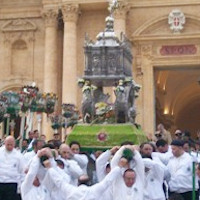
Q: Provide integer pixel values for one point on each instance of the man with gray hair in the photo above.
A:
(11, 169)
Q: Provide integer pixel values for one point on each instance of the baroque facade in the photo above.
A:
(42, 41)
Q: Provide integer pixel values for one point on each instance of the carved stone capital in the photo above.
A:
(146, 51)
(70, 12)
(121, 11)
(50, 16)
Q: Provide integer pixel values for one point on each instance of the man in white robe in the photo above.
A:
(84, 192)
(154, 178)
(11, 169)
(53, 189)
(31, 188)
(180, 170)
(130, 185)
(71, 166)
(81, 159)
(28, 156)
(103, 163)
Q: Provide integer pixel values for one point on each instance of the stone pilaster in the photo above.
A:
(69, 85)
(148, 88)
(139, 80)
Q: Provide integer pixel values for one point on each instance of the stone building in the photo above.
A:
(42, 41)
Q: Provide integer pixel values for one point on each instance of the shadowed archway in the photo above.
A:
(178, 98)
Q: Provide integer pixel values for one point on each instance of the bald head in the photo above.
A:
(83, 179)
(63, 146)
(65, 151)
(9, 143)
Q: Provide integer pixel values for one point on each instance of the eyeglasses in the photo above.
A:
(158, 135)
(178, 134)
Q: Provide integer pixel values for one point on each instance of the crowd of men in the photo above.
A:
(154, 170)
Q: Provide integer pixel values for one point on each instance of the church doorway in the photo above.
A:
(177, 95)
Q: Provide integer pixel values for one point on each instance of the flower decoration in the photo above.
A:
(13, 106)
(3, 107)
(102, 136)
(56, 120)
(50, 102)
(70, 113)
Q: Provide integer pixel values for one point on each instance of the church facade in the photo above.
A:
(42, 41)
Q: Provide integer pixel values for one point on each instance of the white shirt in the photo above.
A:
(119, 190)
(83, 192)
(28, 190)
(73, 170)
(180, 169)
(82, 160)
(11, 167)
(28, 156)
(163, 157)
(154, 178)
(101, 163)
(52, 188)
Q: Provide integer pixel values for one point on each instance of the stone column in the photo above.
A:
(119, 27)
(69, 82)
(120, 18)
(148, 90)
(50, 62)
(50, 58)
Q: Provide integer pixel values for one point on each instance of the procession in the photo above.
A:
(99, 100)
(153, 170)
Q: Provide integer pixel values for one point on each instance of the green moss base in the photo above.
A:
(88, 135)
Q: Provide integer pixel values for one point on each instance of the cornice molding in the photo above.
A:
(161, 3)
(166, 37)
(140, 3)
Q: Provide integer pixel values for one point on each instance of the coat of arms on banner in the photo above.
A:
(176, 20)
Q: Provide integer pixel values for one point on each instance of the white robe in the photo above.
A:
(52, 188)
(83, 192)
(28, 190)
(163, 157)
(11, 166)
(101, 163)
(154, 179)
(180, 169)
(82, 161)
(119, 190)
(73, 170)
(28, 156)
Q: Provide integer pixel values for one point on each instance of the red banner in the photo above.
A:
(178, 50)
